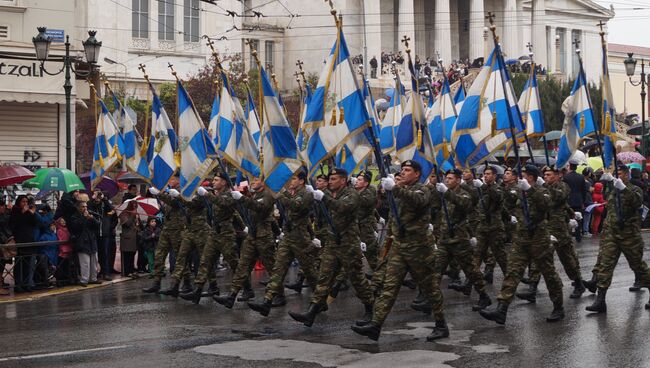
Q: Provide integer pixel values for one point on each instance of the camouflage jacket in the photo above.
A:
(459, 204)
(260, 209)
(413, 209)
(223, 209)
(174, 212)
(197, 213)
(537, 199)
(557, 205)
(366, 206)
(343, 206)
(631, 201)
(489, 210)
(297, 207)
(475, 206)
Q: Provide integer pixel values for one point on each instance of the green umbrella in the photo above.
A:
(55, 179)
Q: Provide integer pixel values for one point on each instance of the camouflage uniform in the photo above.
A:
(169, 241)
(195, 236)
(410, 252)
(258, 244)
(222, 238)
(490, 231)
(296, 242)
(343, 251)
(559, 228)
(531, 244)
(367, 224)
(510, 193)
(624, 239)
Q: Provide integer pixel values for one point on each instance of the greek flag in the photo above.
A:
(303, 134)
(392, 118)
(460, 94)
(370, 106)
(608, 114)
(213, 126)
(281, 159)
(412, 141)
(135, 161)
(162, 145)
(106, 149)
(531, 107)
(578, 120)
(336, 110)
(236, 143)
(442, 117)
(483, 124)
(252, 119)
(194, 144)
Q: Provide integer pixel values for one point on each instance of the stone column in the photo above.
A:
(476, 26)
(373, 33)
(569, 52)
(511, 42)
(552, 66)
(443, 30)
(539, 32)
(406, 24)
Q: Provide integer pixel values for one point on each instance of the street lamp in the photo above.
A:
(630, 66)
(91, 49)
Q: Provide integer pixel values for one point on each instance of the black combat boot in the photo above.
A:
(296, 286)
(213, 289)
(440, 331)
(367, 316)
(636, 286)
(578, 289)
(278, 301)
(247, 292)
(530, 295)
(455, 284)
(227, 300)
(154, 288)
(420, 298)
(424, 307)
(262, 308)
(345, 285)
(591, 284)
(172, 291)
(370, 330)
(484, 301)
(336, 287)
(488, 275)
(308, 317)
(195, 295)
(187, 286)
(497, 314)
(599, 305)
(557, 314)
(466, 289)
(409, 283)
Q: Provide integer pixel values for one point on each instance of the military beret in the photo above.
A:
(223, 176)
(456, 172)
(339, 172)
(623, 168)
(508, 168)
(550, 168)
(366, 175)
(531, 170)
(322, 176)
(413, 164)
(302, 175)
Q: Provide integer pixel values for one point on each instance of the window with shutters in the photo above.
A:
(166, 20)
(269, 47)
(4, 32)
(140, 18)
(191, 20)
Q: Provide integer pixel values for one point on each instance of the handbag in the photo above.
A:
(9, 250)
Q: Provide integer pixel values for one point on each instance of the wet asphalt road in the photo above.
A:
(118, 326)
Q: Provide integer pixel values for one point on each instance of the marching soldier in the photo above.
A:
(367, 222)
(621, 235)
(532, 243)
(343, 252)
(297, 203)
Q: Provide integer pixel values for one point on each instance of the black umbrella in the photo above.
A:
(637, 129)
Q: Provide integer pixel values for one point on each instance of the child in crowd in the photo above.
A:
(65, 274)
(150, 237)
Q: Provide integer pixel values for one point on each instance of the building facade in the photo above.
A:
(627, 97)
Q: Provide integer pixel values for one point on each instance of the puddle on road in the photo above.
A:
(460, 338)
(326, 355)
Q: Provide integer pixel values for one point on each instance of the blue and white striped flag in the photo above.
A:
(134, 160)
(213, 126)
(608, 117)
(442, 117)
(579, 120)
(162, 145)
(194, 144)
(336, 110)
(252, 119)
(460, 93)
(106, 152)
(531, 107)
(392, 118)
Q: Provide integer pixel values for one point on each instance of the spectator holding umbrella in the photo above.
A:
(83, 225)
(131, 193)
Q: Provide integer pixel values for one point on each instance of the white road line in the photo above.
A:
(61, 353)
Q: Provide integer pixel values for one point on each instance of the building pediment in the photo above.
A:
(579, 7)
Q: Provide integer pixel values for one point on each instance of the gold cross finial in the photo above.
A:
(251, 45)
(601, 25)
(171, 66)
(405, 41)
(493, 28)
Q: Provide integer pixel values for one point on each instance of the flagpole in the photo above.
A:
(524, 200)
(531, 79)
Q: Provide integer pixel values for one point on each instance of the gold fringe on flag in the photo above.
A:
(343, 158)
(419, 141)
(582, 123)
(494, 122)
(177, 158)
(341, 116)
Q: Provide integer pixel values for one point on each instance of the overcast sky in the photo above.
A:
(631, 25)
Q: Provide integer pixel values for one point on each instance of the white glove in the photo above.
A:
(477, 183)
(318, 195)
(523, 184)
(201, 191)
(553, 239)
(540, 181)
(573, 224)
(382, 221)
(363, 246)
(281, 236)
(236, 195)
(606, 177)
(154, 191)
(618, 184)
(309, 188)
(392, 176)
(513, 220)
(353, 181)
(246, 230)
(174, 193)
(316, 243)
(376, 234)
(441, 188)
(578, 215)
(430, 229)
(388, 183)
(472, 241)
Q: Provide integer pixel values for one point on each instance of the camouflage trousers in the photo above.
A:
(566, 252)
(290, 248)
(263, 248)
(335, 259)
(463, 253)
(367, 235)
(536, 249)
(194, 238)
(627, 241)
(221, 243)
(168, 243)
(417, 258)
(491, 249)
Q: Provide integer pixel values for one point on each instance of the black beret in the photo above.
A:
(413, 164)
(366, 175)
(339, 172)
(456, 172)
(322, 176)
(302, 175)
(531, 170)
(624, 168)
(223, 176)
(550, 168)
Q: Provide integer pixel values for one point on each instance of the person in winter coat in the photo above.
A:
(150, 237)
(101, 205)
(51, 252)
(23, 225)
(597, 213)
(82, 229)
(65, 272)
(5, 237)
(129, 239)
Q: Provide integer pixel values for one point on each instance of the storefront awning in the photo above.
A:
(25, 81)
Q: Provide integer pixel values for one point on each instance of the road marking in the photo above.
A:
(61, 353)
(326, 355)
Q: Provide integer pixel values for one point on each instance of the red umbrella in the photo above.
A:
(14, 174)
(145, 207)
